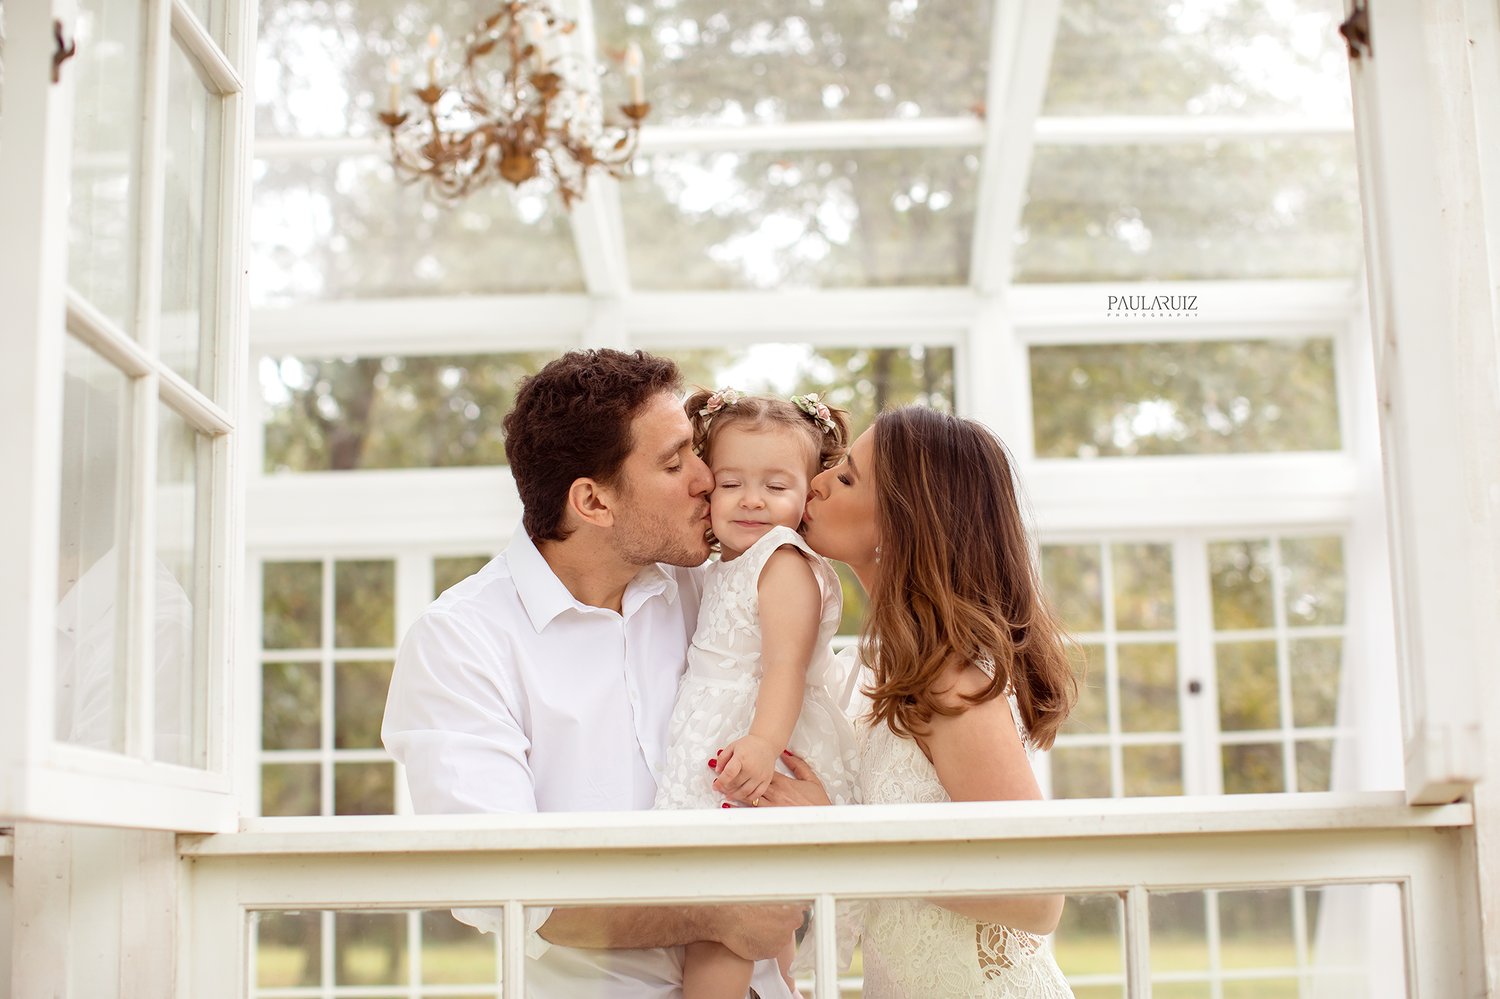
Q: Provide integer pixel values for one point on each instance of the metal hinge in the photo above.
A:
(1356, 31)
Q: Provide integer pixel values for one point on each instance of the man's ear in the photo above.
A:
(591, 503)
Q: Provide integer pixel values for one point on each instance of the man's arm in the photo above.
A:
(754, 932)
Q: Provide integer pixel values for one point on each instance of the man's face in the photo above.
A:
(662, 494)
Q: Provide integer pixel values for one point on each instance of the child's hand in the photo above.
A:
(745, 768)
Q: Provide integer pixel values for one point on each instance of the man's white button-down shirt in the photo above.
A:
(509, 695)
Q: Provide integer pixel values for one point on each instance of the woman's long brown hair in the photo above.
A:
(958, 583)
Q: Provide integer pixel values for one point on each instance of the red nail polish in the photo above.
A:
(726, 805)
(786, 752)
(713, 764)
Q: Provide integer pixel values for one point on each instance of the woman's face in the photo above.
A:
(840, 518)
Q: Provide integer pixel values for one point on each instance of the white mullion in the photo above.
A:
(414, 954)
(1131, 130)
(414, 586)
(246, 742)
(1283, 670)
(1111, 669)
(1196, 644)
(198, 45)
(326, 950)
(325, 704)
(1020, 56)
(1215, 943)
(105, 338)
(1137, 910)
(1300, 938)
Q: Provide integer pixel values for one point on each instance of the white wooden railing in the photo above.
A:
(1131, 848)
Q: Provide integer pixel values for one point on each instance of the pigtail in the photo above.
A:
(693, 405)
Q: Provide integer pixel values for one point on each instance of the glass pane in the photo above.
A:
(1313, 580)
(291, 605)
(1241, 578)
(1253, 768)
(91, 569)
(369, 948)
(102, 223)
(364, 604)
(711, 220)
(1148, 688)
(862, 381)
(1080, 772)
(1315, 765)
(1255, 929)
(1074, 578)
(754, 63)
(1143, 587)
(183, 460)
(1090, 942)
(1249, 689)
(1165, 57)
(1269, 208)
(289, 789)
(389, 412)
(345, 228)
(1152, 771)
(288, 951)
(1091, 713)
(1219, 397)
(448, 572)
(315, 78)
(359, 703)
(290, 706)
(364, 788)
(455, 953)
(1179, 932)
(1315, 666)
(189, 253)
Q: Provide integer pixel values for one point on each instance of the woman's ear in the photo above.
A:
(590, 503)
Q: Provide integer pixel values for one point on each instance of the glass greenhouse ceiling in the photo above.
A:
(839, 145)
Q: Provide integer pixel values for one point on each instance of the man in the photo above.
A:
(545, 681)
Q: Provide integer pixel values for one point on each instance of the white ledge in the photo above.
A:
(882, 824)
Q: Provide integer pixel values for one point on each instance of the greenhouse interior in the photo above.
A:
(1223, 276)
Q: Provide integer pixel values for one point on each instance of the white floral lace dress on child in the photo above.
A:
(914, 949)
(716, 700)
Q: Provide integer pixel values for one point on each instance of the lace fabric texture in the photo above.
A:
(716, 700)
(916, 949)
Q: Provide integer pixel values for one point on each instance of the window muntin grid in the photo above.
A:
(1175, 706)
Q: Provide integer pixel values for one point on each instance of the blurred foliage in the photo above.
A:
(1191, 211)
(713, 220)
(1214, 397)
(448, 572)
(389, 412)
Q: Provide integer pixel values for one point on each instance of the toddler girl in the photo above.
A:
(750, 693)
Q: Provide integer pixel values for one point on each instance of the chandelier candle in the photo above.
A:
(524, 106)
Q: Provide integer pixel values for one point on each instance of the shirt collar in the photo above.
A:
(544, 596)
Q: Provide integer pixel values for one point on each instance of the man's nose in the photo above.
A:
(702, 479)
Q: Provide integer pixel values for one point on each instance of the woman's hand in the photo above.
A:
(802, 788)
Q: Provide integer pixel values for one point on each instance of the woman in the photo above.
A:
(924, 510)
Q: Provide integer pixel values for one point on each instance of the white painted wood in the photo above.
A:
(42, 897)
(1020, 57)
(148, 871)
(513, 951)
(210, 61)
(1433, 311)
(7, 906)
(791, 136)
(33, 260)
(825, 926)
(1041, 313)
(872, 824)
(1122, 130)
(1137, 943)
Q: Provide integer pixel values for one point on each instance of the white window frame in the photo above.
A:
(46, 779)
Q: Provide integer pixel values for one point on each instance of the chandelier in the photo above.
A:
(537, 115)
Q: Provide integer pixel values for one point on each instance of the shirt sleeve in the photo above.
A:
(454, 720)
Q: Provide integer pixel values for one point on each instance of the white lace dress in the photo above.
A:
(716, 699)
(914, 949)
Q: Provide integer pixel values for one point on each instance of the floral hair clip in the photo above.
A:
(815, 408)
(720, 399)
